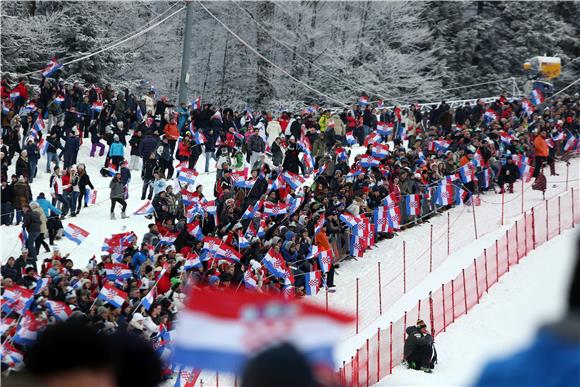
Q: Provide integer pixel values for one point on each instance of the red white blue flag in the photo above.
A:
(75, 233)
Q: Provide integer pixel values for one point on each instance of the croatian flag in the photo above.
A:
(34, 134)
(251, 230)
(318, 226)
(220, 333)
(181, 166)
(169, 238)
(367, 161)
(527, 107)
(27, 330)
(199, 138)
(293, 180)
(363, 100)
(350, 220)
(251, 211)
(312, 252)
(148, 300)
(413, 204)
(441, 145)
(228, 253)
(357, 246)
(466, 173)
(39, 125)
(112, 169)
(372, 138)
(187, 377)
(192, 261)
(276, 184)
(444, 194)
(117, 271)
(51, 68)
(14, 95)
(187, 176)
(41, 284)
(75, 233)
(272, 209)
(559, 136)
(527, 172)
(380, 219)
(112, 295)
(384, 128)
(97, 106)
(261, 229)
(194, 229)
(30, 107)
(243, 243)
(238, 177)
(59, 310)
(380, 104)
(341, 154)
(312, 282)
(570, 143)
(211, 243)
(11, 356)
(537, 97)
(90, 196)
(139, 114)
(486, 178)
(17, 298)
(250, 281)
(393, 216)
(275, 263)
(196, 104)
(59, 99)
(43, 146)
(505, 138)
(145, 209)
(380, 151)
(324, 261)
(294, 204)
(350, 138)
(489, 115)
(209, 206)
(23, 236)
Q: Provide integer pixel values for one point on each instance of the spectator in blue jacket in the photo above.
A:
(47, 206)
(116, 152)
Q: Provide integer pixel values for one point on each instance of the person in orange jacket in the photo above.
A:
(321, 240)
(172, 133)
(541, 152)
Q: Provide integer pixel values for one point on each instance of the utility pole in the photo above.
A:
(184, 78)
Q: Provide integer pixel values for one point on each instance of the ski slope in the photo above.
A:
(506, 320)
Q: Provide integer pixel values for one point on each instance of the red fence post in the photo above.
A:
(453, 299)
(502, 204)
(533, 229)
(448, 233)
(391, 348)
(404, 268)
(496, 263)
(380, 289)
(431, 315)
(217, 379)
(444, 309)
(476, 280)
(357, 306)
(485, 263)
(431, 249)
(559, 212)
(404, 325)
(547, 223)
(367, 363)
(474, 221)
(378, 354)
(567, 171)
(344, 371)
(464, 290)
(507, 249)
(357, 363)
(518, 242)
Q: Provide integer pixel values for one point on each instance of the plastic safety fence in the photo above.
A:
(384, 351)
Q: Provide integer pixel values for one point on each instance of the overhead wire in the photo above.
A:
(79, 54)
(251, 48)
(113, 45)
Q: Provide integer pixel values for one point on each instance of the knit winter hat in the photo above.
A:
(421, 324)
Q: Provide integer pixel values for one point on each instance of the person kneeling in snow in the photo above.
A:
(419, 349)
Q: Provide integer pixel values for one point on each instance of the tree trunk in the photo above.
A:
(264, 89)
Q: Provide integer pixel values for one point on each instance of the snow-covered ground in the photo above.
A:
(531, 294)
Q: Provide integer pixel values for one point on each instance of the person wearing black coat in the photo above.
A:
(508, 175)
(32, 224)
(148, 145)
(418, 350)
(150, 167)
(84, 183)
(292, 161)
(22, 166)
(71, 149)
(7, 209)
(296, 128)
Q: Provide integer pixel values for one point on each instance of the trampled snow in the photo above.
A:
(505, 321)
